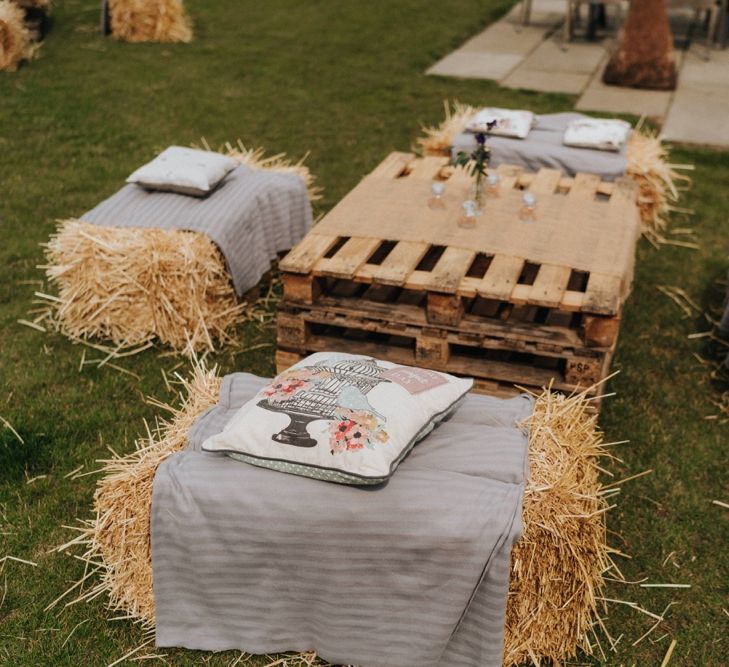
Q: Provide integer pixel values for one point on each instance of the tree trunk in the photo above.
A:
(644, 58)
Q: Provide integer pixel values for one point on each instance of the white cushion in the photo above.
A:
(184, 170)
(605, 134)
(340, 417)
(509, 122)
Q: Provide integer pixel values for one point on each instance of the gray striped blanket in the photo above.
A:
(543, 147)
(253, 215)
(414, 572)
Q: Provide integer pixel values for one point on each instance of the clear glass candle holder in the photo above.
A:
(528, 210)
(492, 185)
(437, 190)
(468, 217)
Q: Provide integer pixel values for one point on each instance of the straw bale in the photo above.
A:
(648, 164)
(150, 21)
(557, 566)
(117, 539)
(134, 285)
(16, 42)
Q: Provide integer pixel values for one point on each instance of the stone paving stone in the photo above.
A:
(712, 72)
(616, 99)
(504, 38)
(699, 115)
(550, 82)
(473, 65)
(577, 58)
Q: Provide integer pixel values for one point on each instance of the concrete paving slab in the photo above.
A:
(614, 99)
(577, 58)
(699, 115)
(473, 65)
(504, 38)
(712, 72)
(551, 82)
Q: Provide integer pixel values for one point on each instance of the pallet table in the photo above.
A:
(509, 302)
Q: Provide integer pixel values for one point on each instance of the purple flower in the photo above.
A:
(480, 138)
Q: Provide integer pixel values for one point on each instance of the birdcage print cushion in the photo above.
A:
(340, 417)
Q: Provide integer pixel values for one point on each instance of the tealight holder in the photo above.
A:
(437, 190)
(528, 210)
(492, 185)
(468, 218)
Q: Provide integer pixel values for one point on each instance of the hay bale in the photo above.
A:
(150, 21)
(16, 42)
(648, 165)
(117, 539)
(557, 567)
(134, 285)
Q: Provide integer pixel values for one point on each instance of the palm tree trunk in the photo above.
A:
(644, 58)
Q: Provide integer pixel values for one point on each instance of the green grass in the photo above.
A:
(346, 82)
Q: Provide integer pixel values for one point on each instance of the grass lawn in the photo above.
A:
(346, 82)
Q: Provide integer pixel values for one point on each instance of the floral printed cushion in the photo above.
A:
(340, 417)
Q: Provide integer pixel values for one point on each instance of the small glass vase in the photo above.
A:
(478, 194)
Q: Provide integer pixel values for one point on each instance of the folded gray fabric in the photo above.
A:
(544, 148)
(253, 215)
(414, 572)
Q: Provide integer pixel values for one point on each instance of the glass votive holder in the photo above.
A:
(492, 185)
(437, 190)
(468, 218)
(528, 210)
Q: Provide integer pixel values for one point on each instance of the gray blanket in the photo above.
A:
(252, 216)
(414, 572)
(543, 147)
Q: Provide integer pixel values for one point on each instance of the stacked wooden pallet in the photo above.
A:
(503, 319)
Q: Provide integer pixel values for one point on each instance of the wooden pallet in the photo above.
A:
(490, 360)
(502, 318)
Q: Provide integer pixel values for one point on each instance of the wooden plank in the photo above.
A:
(426, 168)
(603, 295)
(572, 301)
(546, 181)
(348, 259)
(450, 269)
(584, 186)
(501, 277)
(549, 285)
(393, 166)
(396, 267)
(302, 257)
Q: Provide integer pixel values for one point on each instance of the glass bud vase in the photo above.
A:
(478, 194)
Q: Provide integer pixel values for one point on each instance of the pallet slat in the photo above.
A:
(549, 286)
(452, 266)
(307, 253)
(397, 266)
(500, 278)
(350, 257)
